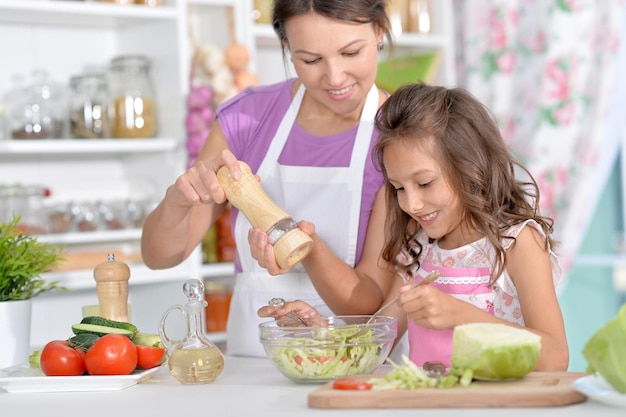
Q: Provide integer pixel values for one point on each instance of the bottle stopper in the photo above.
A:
(291, 244)
(112, 286)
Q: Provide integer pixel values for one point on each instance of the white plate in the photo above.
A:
(23, 378)
(596, 388)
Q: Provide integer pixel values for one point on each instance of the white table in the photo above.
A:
(248, 387)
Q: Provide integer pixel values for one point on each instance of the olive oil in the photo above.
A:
(195, 359)
(196, 366)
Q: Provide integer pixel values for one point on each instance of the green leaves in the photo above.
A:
(605, 350)
(22, 261)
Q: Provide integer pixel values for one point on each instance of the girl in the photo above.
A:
(456, 205)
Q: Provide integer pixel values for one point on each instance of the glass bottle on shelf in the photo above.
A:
(133, 99)
(397, 10)
(35, 111)
(25, 201)
(419, 16)
(218, 295)
(89, 106)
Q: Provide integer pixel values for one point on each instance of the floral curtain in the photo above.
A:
(547, 70)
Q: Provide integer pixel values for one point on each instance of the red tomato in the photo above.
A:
(348, 383)
(112, 354)
(149, 356)
(59, 359)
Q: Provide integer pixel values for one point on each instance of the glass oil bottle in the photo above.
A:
(195, 359)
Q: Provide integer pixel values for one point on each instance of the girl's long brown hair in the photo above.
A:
(475, 160)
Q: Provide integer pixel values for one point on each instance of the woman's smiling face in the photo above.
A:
(423, 191)
(336, 60)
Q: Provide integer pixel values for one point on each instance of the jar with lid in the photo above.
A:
(217, 295)
(36, 111)
(25, 201)
(133, 99)
(88, 106)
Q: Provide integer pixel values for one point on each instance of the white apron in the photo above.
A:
(328, 197)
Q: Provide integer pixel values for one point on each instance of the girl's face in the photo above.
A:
(424, 193)
(335, 60)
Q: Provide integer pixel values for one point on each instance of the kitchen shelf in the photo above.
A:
(103, 236)
(266, 36)
(82, 279)
(91, 14)
(86, 146)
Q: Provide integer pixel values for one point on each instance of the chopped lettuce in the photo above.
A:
(606, 351)
(331, 353)
(410, 376)
(34, 358)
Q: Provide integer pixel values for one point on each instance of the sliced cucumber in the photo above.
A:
(100, 330)
(101, 321)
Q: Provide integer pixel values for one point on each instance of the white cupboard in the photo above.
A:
(65, 37)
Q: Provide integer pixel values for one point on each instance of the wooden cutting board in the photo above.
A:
(537, 389)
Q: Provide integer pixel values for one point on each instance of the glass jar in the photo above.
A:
(88, 106)
(419, 16)
(217, 295)
(133, 100)
(36, 111)
(25, 202)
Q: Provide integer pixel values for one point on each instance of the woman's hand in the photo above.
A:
(289, 309)
(263, 252)
(199, 185)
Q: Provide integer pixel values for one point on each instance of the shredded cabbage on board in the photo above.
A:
(411, 376)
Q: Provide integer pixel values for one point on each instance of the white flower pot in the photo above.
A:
(14, 332)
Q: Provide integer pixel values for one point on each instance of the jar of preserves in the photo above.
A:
(217, 296)
(133, 100)
(89, 106)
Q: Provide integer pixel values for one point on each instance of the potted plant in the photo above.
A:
(23, 258)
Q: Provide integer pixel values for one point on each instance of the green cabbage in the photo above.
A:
(606, 351)
(494, 351)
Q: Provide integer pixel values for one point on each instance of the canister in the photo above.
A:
(89, 106)
(217, 295)
(133, 97)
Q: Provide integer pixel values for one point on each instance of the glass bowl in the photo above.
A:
(342, 346)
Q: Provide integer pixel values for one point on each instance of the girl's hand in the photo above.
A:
(263, 252)
(199, 185)
(430, 308)
(290, 308)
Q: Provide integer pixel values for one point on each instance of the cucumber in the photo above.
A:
(96, 329)
(101, 321)
(83, 341)
(147, 339)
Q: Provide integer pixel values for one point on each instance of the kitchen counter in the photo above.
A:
(247, 387)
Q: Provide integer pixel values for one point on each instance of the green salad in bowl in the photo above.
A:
(345, 345)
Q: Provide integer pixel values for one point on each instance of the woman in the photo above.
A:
(309, 140)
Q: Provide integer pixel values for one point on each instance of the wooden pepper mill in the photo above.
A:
(112, 286)
(291, 244)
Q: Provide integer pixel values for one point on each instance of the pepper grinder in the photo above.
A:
(291, 244)
(112, 286)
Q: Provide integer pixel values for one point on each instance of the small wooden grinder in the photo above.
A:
(112, 286)
(291, 244)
